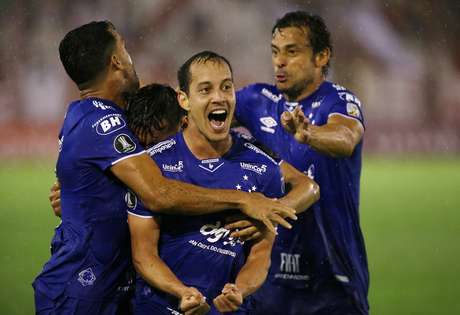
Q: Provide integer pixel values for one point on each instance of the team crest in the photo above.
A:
(352, 110)
(124, 144)
(86, 277)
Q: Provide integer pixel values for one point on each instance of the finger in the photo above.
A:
(254, 236)
(235, 217)
(287, 122)
(224, 305)
(285, 211)
(229, 287)
(278, 219)
(244, 234)
(234, 300)
(238, 225)
(189, 303)
(269, 225)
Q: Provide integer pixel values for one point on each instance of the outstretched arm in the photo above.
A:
(161, 194)
(337, 138)
(145, 233)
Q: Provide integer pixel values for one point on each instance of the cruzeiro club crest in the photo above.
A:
(124, 144)
(86, 277)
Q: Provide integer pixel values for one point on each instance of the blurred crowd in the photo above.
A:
(402, 58)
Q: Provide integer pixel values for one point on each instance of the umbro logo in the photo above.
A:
(268, 124)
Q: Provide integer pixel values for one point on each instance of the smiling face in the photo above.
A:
(295, 65)
(210, 100)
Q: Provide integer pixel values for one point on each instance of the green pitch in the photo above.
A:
(410, 216)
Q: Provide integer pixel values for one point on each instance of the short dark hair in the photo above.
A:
(184, 75)
(319, 36)
(85, 51)
(150, 106)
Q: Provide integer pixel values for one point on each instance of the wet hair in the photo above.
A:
(85, 51)
(151, 106)
(183, 74)
(318, 34)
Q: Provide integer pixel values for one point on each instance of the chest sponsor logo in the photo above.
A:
(173, 168)
(353, 110)
(259, 169)
(268, 124)
(86, 277)
(271, 96)
(124, 144)
(131, 199)
(211, 165)
(290, 268)
(217, 232)
(109, 124)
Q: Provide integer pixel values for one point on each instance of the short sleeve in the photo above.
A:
(109, 140)
(349, 107)
(137, 208)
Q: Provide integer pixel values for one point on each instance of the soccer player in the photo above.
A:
(98, 153)
(181, 259)
(320, 266)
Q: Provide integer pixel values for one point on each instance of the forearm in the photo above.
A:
(254, 272)
(156, 273)
(331, 139)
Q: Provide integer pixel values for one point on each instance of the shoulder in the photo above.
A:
(163, 148)
(337, 94)
(251, 150)
(261, 90)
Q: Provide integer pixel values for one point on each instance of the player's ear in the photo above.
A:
(115, 62)
(322, 58)
(182, 98)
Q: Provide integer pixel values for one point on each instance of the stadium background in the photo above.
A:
(400, 57)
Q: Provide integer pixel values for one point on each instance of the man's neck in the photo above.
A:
(201, 147)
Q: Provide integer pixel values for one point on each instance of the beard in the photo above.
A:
(293, 92)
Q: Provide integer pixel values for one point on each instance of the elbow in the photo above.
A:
(314, 191)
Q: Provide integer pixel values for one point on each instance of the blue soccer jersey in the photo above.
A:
(90, 252)
(198, 249)
(326, 241)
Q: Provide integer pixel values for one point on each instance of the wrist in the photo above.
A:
(179, 290)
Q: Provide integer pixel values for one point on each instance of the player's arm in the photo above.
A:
(302, 191)
(145, 233)
(161, 194)
(337, 138)
(251, 276)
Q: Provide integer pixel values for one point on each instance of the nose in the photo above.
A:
(279, 61)
(218, 96)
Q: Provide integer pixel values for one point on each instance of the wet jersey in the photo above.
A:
(326, 241)
(198, 249)
(90, 250)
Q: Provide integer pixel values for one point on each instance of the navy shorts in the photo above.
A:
(65, 305)
(330, 299)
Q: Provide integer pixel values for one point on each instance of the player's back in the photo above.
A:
(90, 249)
(198, 249)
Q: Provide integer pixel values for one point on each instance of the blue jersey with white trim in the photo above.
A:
(90, 252)
(326, 241)
(198, 249)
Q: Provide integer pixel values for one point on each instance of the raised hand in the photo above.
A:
(55, 198)
(297, 124)
(192, 302)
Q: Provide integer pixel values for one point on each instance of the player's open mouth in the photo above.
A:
(217, 119)
(281, 78)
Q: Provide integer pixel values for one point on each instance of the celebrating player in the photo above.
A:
(183, 260)
(320, 266)
(86, 273)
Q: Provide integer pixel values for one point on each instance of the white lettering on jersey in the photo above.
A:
(339, 87)
(101, 105)
(257, 150)
(350, 98)
(161, 146)
(268, 124)
(289, 263)
(109, 124)
(173, 168)
(271, 96)
(253, 167)
(216, 232)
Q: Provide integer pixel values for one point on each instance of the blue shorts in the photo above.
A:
(330, 299)
(65, 305)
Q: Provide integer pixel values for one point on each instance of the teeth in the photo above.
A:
(219, 111)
